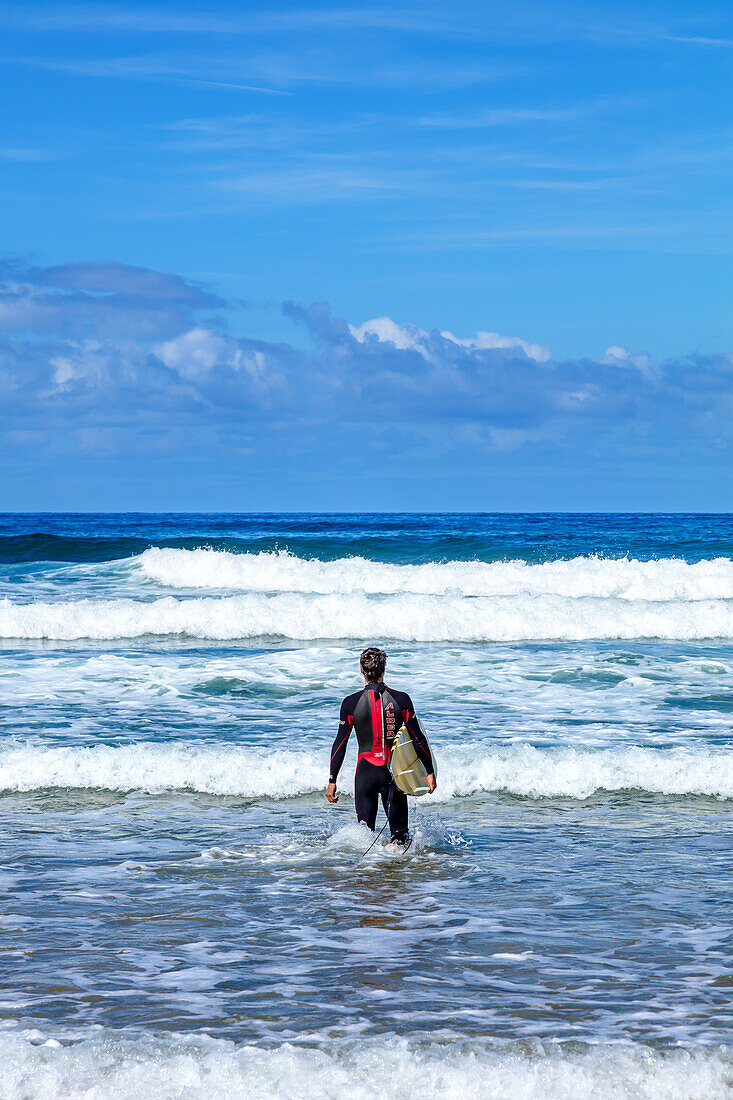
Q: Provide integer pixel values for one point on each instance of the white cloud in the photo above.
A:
(82, 361)
(485, 340)
(387, 331)
(196, 353)
(620, 356)
(404, 337)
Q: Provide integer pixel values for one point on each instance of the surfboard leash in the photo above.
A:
(386, 823)
(373, 842)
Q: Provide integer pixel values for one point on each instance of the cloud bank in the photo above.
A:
(107, 358)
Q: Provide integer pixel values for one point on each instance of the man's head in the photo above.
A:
(373, 663)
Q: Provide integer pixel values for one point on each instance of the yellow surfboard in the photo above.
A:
(408, 770)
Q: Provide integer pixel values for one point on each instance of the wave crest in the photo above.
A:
(200, 1066)
(396, 617)
(248, 772)
(592, 576)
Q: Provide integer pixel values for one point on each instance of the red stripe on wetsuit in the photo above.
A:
(377, 755)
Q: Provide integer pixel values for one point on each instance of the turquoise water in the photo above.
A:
(181, 910)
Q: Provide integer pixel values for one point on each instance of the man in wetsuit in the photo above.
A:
(376, 713)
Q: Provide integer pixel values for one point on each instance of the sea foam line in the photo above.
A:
(272, 572)
(149, 1069)
(403, 617)
(246, 772)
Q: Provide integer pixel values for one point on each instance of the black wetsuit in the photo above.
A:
(376, 713)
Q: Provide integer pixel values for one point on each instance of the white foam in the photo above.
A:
(106, 1068)
(427, 830)
(404, 617)
(579, 773)
(607, 578)
(281, 595)
(219, 770)
(249, 773)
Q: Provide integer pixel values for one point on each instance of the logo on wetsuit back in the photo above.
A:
(389, 720)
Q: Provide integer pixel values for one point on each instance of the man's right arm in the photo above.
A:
(338, 752)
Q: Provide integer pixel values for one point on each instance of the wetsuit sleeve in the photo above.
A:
(421, 746)
(338, 752)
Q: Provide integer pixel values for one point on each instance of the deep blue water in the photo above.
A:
(398, 537)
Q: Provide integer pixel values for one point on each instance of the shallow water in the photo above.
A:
(182, 912)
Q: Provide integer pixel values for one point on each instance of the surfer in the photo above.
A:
(376, 713)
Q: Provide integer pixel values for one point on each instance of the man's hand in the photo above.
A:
(431, 782)
(333, 797)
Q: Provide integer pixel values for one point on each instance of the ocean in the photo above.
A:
(182, 914)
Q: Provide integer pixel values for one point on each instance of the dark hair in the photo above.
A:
(373, 663)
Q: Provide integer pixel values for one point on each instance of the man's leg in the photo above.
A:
(395, 806)
(366, 792)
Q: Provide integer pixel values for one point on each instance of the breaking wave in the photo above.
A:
(659, 580)
(154, 1069)
(407, 617)
(277, 594)
(247, 772)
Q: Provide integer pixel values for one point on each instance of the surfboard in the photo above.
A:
(408, 770)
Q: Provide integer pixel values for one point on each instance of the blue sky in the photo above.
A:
(512, 188)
